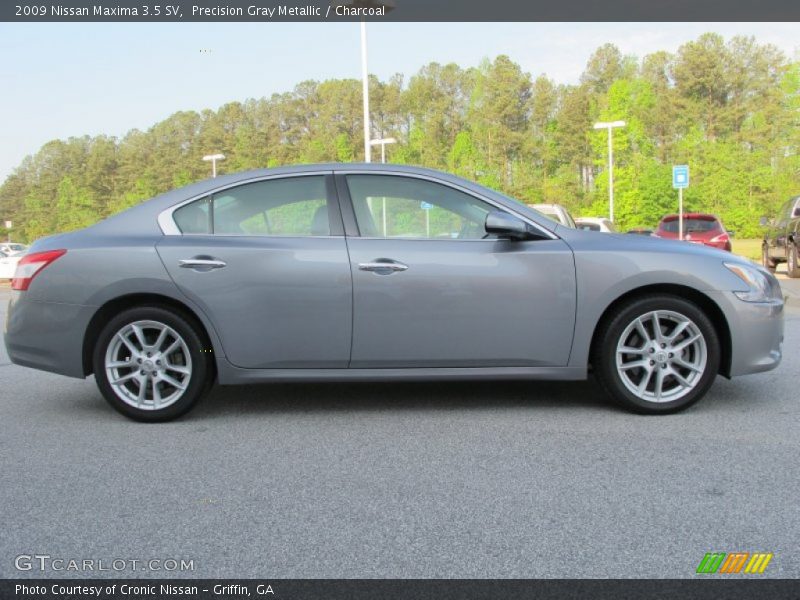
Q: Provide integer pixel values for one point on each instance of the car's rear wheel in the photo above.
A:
(657, 354)
(766, 261)
(151, 364)
(792, 268)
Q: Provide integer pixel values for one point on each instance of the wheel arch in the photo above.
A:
(706, 304)
(105, 312)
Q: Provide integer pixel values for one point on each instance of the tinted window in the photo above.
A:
(295, 206)
(194, 217)
(405, 207)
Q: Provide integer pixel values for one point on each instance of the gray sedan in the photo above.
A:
(368, 272)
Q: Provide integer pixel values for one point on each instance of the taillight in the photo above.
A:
(722, 237)
(31, 265)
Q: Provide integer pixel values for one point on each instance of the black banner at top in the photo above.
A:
(397, 10)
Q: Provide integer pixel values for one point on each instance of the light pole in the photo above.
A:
(214, 158)
(382, 143)
(609, 126)
(387, 5)
(365, 91)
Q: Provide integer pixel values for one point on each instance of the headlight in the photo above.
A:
(762, 286)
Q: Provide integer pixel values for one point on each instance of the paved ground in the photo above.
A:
(413, 480)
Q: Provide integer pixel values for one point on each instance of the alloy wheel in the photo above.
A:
(148, 365)
(661, 356)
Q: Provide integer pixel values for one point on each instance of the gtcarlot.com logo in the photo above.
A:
(46, 562)
(753, 563)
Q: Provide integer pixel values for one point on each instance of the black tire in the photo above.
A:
(195, 384)
(604, 353)
(766, 261)
(792, 266)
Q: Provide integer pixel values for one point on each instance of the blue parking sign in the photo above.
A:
(680, 176)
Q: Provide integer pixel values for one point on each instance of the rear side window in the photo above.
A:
(295, 206)
(194, 217)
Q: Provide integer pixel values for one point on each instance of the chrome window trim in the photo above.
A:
(168, 226)
(463, 190)
(167, 223)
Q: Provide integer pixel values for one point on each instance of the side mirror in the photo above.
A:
(763, 221)
(731, 234)
(505, 225)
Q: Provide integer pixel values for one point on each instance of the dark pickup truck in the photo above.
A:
(782, 238)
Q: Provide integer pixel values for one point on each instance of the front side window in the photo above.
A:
(294, 206)
(391, 206)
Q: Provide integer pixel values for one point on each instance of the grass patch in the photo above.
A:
(748, 248)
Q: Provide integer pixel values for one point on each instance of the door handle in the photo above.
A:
(383, 267)
(201, 263)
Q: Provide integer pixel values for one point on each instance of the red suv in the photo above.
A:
(699, 228)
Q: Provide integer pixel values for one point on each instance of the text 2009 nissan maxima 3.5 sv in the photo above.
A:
(353, 272)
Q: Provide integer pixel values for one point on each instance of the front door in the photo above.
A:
(431, 289)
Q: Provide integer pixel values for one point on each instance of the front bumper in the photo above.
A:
(756, 330)
(47, 335)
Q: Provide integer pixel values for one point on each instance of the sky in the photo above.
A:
(63, 80)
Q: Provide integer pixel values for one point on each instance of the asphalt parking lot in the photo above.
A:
(413, 480)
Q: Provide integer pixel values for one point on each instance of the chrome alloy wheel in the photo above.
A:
(148, 365)
(661, 356)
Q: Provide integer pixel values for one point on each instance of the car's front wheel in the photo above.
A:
(792, 268)
(151, 364)
(656, 354)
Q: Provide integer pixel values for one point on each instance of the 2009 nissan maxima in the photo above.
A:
(353, 272)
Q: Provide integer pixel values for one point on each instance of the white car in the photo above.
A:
(595, 224)
(556, 212)
(8, 264)
(13, 248)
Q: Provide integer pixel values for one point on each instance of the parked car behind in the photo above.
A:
(12, 248)
(640, 231)
(595, 224)
(557, 213)
(8, 265)
(699, 228)
(782, 238)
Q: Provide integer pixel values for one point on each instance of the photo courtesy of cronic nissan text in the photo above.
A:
(394, 299)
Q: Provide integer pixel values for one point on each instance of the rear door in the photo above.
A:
(431, 289)
(267, 262)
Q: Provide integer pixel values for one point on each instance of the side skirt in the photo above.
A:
(230, 375)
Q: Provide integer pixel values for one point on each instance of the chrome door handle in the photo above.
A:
(195, 263)
(382, 266)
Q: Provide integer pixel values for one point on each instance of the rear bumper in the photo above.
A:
(47, 335)
(756, 333)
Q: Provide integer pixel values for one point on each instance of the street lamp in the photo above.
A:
(387, 5)
(382, 143)
(214, 158)
(609, 127)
